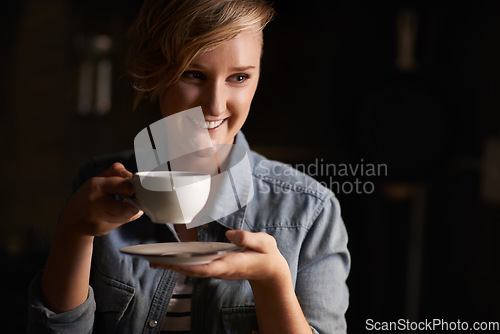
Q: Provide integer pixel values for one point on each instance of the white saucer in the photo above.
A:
(181, 253)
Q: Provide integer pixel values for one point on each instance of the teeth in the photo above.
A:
(207, 125)
(212, 125)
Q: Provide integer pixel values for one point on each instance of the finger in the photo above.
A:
(117, 169)
(232, 266)
(119, 211)
(134, 209)
(116, 185)
(137, 215)
(260, 242)
(201, 270)
(104, 190)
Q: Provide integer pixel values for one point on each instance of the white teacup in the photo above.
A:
(171, 197)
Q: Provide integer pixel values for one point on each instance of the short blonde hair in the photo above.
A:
(169, 34)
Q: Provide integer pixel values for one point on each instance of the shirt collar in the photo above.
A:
(240, 175)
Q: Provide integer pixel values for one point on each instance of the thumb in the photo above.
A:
(235, 236)
(258, 241)
(117, 169)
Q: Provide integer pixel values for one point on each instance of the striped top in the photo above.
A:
(178, 317)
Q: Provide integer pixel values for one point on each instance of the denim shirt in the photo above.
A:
(127, 296)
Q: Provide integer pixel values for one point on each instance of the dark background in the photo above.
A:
(423, 244)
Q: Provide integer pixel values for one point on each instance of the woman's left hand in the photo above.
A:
(259, 261)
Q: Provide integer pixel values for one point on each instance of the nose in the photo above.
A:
(214, 99)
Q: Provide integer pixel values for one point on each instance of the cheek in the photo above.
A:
(242, 99)
(177, 98)
(239, 108)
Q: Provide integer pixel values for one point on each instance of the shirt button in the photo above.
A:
(153, 323)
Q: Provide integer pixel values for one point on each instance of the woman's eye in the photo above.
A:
(196, 75)
(239, 78)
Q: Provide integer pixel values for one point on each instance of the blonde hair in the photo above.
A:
(169, 34)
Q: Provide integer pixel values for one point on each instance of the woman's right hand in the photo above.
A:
(94, 210)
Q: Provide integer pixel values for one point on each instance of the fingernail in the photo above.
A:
(135, 211)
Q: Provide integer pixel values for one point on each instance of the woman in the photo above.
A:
(291, 276)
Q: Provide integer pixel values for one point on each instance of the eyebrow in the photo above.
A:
(242, 68)
(234, 69)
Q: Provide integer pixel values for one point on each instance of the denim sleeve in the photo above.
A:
(324, 265)
(43, 320)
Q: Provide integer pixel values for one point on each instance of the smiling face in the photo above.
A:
(223, 82)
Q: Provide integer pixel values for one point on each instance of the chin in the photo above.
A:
(218, 139)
